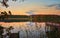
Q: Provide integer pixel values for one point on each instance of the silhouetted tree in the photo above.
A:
(2, 16)
(9, 30)
(10, 12)
(4, 2)
(5, 14)
(1, 31)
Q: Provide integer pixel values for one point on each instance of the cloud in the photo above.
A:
(57, 6)
(31, 12)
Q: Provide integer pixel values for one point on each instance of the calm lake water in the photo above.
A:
(23, 25)
(27, 29)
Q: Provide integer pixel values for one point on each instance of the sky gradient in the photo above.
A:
(37, 6)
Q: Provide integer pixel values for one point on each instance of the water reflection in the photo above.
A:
(27, 29)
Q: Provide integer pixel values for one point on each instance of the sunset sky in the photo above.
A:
(33, 6)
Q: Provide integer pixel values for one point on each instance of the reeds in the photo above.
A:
(34, 31)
